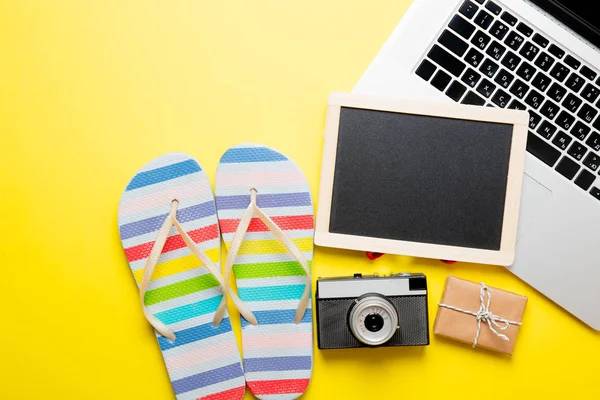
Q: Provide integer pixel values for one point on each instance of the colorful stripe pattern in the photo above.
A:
(204, 361)
(278, 355)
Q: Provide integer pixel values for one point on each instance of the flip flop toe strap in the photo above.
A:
(152, 260)
(280, 235)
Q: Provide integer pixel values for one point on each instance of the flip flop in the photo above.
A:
(265, 213)
(173, 249)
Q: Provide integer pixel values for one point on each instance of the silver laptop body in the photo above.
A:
(514, 55)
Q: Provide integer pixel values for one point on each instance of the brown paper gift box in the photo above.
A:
(465, 295)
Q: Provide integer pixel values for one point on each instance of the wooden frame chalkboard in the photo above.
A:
(435, 180)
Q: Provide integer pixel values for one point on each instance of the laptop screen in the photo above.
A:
(579, 15)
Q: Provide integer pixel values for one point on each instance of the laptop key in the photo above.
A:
(493, 7)
(556, 92)
(503, 78)
(575, 82)
(546, 130)
(539, 39)
(572, 62)
(577, 151)
(511, 60)
(596, 123)
(590, 93)
(461, 26)
(595, 192)
(456, 90)
(480, 40)
(587, 113)
(471, 77)
(559, 72)
(549, 110)
(486, 88)
(509, 18)
(556, 51)
(517, 105)
(519, 88)
(525, 71)
(501, 98)
(495, 50)
(588, 73)
(441, 80)
(498, 30)
(524, 29)
(474, 57)
(468, 9)
(529, 51)
(534, 119)
(572, 102)
(489, 68)
(453, 43)
(534, 99)
(446, 60)
(580, 130)
(567, 168)
(594, 141)
(473, 99)
(541, 149)
(483, 19)
(585, 179)
(592, 161)
(562, 140)
(544, 61)
(426, 69)
(565, 120)
(514, 40)
(541, 81)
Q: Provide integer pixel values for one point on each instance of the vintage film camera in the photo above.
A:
(367, 311)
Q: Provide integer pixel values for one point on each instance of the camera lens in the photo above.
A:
(374, 322)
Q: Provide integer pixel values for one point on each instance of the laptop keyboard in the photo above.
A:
(488, 56)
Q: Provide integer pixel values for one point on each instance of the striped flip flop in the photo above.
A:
(266, 217)
(173, 249)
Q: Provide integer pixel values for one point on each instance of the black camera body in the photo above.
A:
(370, 311)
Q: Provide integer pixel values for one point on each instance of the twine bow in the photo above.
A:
(485, 315)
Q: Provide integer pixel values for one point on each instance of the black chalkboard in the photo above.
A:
(420, 178)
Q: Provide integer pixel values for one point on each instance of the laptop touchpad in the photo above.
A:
(534, 200)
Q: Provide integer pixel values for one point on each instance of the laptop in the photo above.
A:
(542, 56)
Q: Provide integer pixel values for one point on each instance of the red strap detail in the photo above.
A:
(373, 255)
(231, 394)
(282, 386)
(292, 222)
(448, 262)
(174, 242)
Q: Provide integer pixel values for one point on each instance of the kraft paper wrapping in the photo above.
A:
(463, 327)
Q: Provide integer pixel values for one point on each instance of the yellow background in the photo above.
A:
(92, 90)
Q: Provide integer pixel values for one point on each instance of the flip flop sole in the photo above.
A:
(278, 354)
(203, 361)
